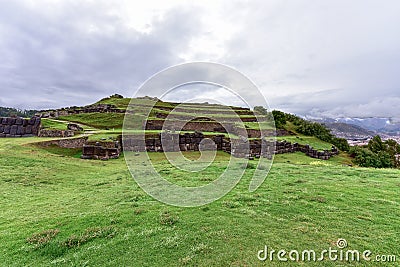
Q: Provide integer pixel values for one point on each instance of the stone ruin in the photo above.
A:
(55, 133)
(74, 127)
(101, 151)
(19, 127)
(69, 132)
(96, 108)
(242, 148)
(176, 142)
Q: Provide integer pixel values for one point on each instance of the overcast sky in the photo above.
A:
(318, 58)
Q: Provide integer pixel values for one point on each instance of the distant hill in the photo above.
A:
(9, 112)
(349, 131)
(384, 125)
(374, 125)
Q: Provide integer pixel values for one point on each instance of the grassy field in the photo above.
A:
(59, 210)
(54, 124)
(97, 120)
(304, 140)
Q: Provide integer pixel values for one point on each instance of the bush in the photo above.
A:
(367, 158)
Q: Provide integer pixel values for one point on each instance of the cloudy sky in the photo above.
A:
(318, 58)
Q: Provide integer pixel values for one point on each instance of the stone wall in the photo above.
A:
(99, 108)
(66, 143)
(98, 151)
(55, 133)
(213, 126)
(237, 147)
(205, 126)
(19, 127)
(176, 142)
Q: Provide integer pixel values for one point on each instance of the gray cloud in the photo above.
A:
(56, 60)
(331, 58)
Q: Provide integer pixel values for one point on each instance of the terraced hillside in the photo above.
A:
(103, 120)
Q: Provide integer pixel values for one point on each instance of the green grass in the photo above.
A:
(121, 103)
(259, 125)
(97, 120)
(62, 152)
(60, 210)
(304, 140)
(54, 124)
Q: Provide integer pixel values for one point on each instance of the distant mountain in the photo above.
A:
(349, 131)
(378, 125)
(360, 128)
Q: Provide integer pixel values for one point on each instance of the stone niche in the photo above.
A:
(19, 127)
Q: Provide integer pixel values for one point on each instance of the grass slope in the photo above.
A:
(97, 120)
(304, 140)
(60, 210)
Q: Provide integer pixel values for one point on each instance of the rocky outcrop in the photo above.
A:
(19, 127)
(55, 133)
(74, 127)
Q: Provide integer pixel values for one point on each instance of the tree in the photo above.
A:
(261, 110)
(376, 145)
(280, 118)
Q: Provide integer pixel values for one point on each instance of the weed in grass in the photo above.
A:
(43, 238)
(138, 211)
(186, 260)
(302, 229)
(200, 248)
(205, 208)
(302, 218)
(318, 199)
(168, 218)
(150, 232)
(88, 235)
(171, 241)
(251, 166)
(230, 204)
(206, 179)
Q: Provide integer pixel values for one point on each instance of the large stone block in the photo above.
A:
(35, 129)
(11, 121)
(20, 130)
(1, 128)
(28, 129)
(13, 130)
(88, 150)
(37, 121)
(19, 121)
(7, 129)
